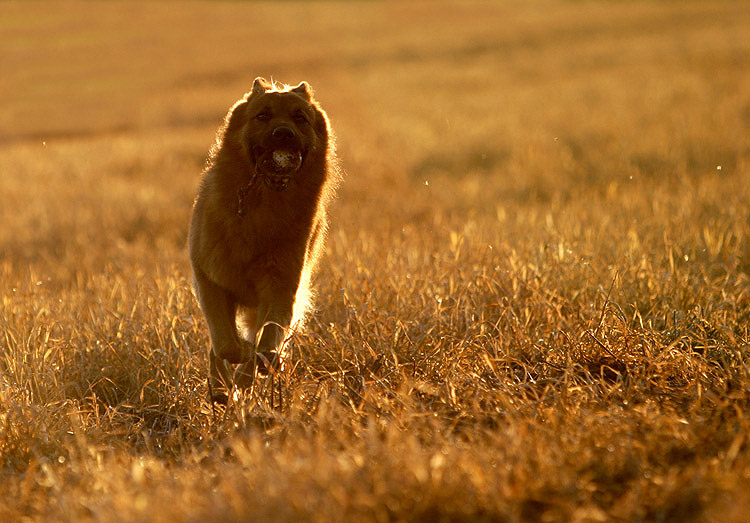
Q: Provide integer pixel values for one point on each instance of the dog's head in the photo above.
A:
(282, 128)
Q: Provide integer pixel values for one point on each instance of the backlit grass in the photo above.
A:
(535, 299)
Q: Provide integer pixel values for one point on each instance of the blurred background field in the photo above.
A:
(536, 294)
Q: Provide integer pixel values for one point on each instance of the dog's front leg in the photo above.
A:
(219, 308)
(274, 317)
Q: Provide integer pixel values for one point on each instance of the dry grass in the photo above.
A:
(535, 301)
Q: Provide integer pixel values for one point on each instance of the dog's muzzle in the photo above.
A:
(280, 158)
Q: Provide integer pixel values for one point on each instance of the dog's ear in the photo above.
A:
(259, 87)
(304, 90)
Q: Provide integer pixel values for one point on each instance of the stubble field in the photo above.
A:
(535, 298)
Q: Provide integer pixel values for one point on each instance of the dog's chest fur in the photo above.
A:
(267, 239)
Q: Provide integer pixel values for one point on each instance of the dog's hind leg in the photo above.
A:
(247, 324)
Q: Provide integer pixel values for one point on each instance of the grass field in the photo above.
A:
(535, 300)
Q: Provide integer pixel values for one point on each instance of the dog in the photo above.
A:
(258, 226)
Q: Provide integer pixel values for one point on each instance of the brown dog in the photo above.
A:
(258, 226)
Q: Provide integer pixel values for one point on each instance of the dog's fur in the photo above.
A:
(258, 228)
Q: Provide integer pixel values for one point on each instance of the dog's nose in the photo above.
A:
(283, 133)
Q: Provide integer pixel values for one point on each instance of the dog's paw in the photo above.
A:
(244, 375)
(259, 364)
(269, 362)
(217, 392)
(236, 352)
(219, 398)
(230, 351)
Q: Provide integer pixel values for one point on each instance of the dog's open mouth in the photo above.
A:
(277, 166)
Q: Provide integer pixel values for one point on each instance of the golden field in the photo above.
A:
(535, 300)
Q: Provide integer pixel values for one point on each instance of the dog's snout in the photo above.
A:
(283, 132)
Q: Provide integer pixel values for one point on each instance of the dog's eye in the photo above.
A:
(300, 118)
(263, 117)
